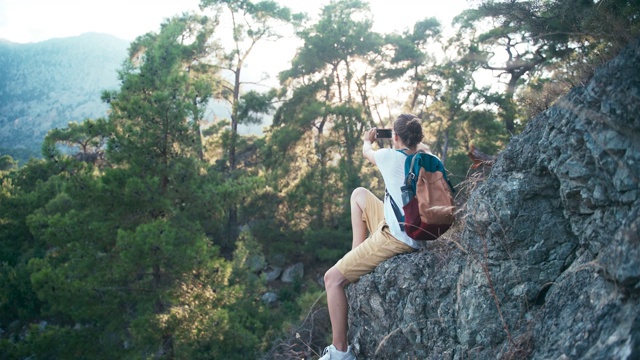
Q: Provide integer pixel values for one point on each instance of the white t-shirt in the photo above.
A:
(391, 165)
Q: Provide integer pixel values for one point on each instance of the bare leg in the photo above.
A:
(335, 283)
(358, 226)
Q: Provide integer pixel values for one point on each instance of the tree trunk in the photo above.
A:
(508, 110)
(232, 224)
(166, 348)
(445, 146)
(234, 119)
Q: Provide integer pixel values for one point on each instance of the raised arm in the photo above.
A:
(367, 147)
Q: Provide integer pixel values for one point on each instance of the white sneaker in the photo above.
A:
(331, 353)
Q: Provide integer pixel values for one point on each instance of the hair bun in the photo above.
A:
(409, 128)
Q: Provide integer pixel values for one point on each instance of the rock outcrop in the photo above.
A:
(544, 262)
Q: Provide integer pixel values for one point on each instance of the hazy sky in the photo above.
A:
(26, 21)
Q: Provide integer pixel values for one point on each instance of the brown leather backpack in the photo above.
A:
(427, 198)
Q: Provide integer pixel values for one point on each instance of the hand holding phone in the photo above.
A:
(383, 133)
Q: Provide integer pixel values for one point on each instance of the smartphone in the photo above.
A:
(383, 133)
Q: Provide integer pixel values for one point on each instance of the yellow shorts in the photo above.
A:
(378, 247)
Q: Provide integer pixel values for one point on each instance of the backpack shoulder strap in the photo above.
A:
(396, 210)
(412, 169)
(429, 162)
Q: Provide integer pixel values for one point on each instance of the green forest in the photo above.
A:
(136, 235)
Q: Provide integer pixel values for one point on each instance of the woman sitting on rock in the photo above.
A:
(371, 216)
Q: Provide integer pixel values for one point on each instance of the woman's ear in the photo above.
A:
(396, 139)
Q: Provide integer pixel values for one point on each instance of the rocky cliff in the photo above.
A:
(544, 262)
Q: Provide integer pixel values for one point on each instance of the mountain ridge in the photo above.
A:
(48, 84)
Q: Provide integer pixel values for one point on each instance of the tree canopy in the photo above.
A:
(137, 235)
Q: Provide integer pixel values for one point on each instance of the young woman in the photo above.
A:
(371, 216)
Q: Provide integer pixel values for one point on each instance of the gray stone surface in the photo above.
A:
(269, 297)
(272, 273)
(256, 263)
(293, 272)
(544, 262)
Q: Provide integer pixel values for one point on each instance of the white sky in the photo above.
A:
(25, 21)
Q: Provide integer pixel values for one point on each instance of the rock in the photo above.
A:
(544, 263)
(272, 273)
(269, 298)
(256, 263)
(293, 272)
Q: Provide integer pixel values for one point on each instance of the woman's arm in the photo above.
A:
(367, 147)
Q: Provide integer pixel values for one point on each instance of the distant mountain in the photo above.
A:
(48, 84)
